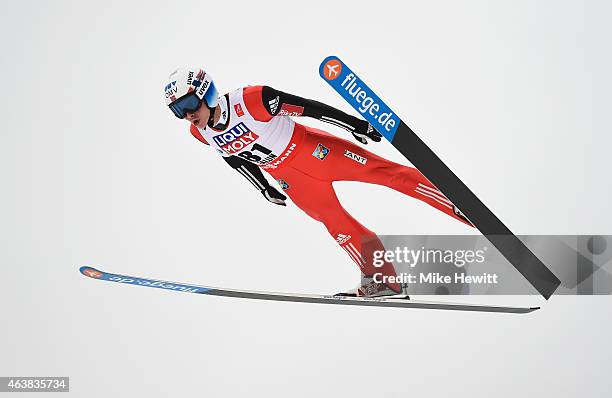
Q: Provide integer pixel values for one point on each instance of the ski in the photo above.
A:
(298, 298)
(381, 117)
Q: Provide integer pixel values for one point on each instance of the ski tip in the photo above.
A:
(534, 308)
(90, 272)
(328, 59)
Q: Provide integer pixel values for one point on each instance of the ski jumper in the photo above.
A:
(256, 128)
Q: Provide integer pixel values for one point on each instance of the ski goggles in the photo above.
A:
(189, 103)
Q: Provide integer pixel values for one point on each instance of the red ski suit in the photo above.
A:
(312, 160)
(307, 178)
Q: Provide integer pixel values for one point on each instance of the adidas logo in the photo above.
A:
(273, 105)
(341, 238)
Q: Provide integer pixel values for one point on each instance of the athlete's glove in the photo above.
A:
(272, 195)
(364, 131)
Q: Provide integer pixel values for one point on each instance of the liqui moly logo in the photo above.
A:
(235, 139)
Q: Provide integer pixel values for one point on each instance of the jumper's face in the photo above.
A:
(200, 117)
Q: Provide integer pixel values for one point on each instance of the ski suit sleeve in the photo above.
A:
(249, 171)
(264, 102)
(253, 174)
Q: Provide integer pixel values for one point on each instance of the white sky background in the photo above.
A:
(514, 96)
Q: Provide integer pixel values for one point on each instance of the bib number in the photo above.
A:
(266, 154)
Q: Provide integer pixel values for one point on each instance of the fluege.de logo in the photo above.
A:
(332, 69)
(360, 96)
(92, 273)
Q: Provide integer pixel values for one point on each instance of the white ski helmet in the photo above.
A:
(187, 88)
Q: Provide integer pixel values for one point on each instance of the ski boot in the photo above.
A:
(370, 288)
